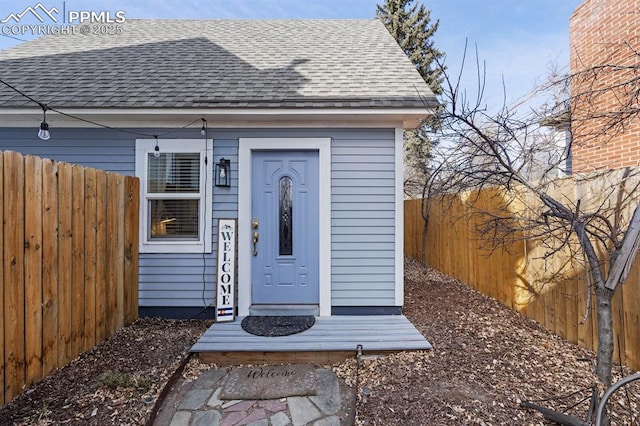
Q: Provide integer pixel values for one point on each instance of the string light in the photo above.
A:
(203, 130)
(156, 150)
(44, 126)
(43, 133)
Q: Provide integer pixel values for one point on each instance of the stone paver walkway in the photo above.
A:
(198, 404)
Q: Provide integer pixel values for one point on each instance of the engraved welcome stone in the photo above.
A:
(270, 382)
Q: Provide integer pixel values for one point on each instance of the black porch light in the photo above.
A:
(223, 172)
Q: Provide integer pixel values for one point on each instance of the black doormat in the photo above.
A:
(272, 326)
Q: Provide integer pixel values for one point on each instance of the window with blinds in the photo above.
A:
(176, 191)
(174, 196)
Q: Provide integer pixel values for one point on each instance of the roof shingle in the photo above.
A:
(217, 63)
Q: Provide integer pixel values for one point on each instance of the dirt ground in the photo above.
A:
(486, 359)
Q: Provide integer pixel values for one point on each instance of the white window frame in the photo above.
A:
(146, 146)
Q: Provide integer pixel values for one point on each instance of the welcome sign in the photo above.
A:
(226, 269)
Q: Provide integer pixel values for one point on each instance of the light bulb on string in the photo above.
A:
(203, 129)
(156, 150)
(43, 132)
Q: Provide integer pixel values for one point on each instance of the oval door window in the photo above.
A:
(286, 216)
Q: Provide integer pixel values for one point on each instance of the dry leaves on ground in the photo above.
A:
(107, 384)
(486, 359)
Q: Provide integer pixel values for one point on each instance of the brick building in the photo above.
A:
(605, 63)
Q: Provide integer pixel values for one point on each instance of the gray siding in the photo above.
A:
(98, 148)
(362, 219)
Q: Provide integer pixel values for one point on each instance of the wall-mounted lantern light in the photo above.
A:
(223, 172)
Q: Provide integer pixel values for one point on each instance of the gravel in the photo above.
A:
(486, 359)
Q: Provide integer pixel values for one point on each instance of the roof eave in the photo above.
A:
(408, 118)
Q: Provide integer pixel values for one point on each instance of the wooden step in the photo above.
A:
(330, 339)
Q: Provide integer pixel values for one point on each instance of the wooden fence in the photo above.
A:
(551, 291)
(69, 263)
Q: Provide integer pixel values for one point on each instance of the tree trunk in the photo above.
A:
(604, 362)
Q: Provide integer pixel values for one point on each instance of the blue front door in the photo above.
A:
(284, 221)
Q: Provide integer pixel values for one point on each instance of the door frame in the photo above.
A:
(246, 146)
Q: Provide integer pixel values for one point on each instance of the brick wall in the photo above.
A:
(605, 64)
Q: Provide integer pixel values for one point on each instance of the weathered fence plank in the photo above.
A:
(50, 292)
(101, 256)
(572, 314)
(33, 267)
(631, 312)
(14, 290)
(77, 256)
(65, 265)
(111, 301)
(118, 254)
(90, 232)
(131, 241)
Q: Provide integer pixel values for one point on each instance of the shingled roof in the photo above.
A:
(217, 64)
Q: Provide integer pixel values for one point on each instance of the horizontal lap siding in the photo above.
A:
(363, 219)
(97, 148)
(362, 204)
(176, 279)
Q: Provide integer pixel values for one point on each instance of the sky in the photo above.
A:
(518, 40)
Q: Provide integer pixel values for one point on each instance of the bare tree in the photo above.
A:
(510, 152)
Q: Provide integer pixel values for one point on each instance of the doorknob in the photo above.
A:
(256, 236)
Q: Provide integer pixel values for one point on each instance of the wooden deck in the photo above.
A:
(331, 339)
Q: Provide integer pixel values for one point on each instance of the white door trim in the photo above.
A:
(399, 153)
(245, 147)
